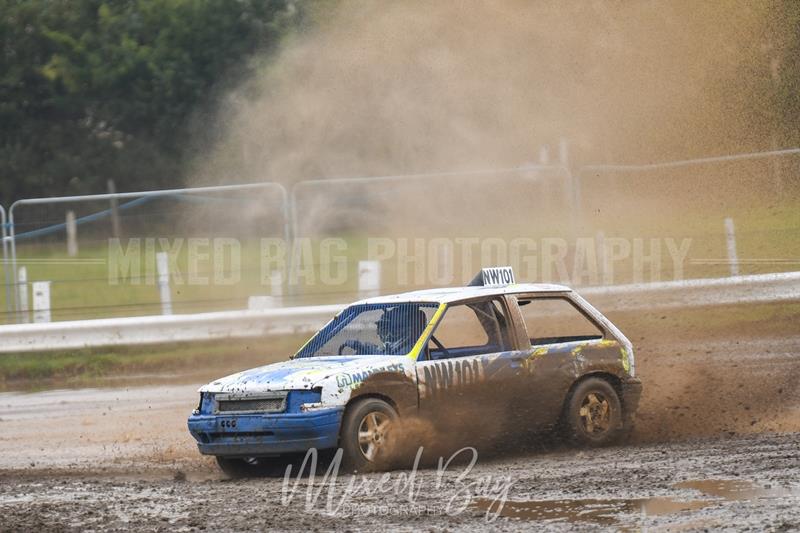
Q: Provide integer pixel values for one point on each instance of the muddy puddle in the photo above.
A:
(616, 511)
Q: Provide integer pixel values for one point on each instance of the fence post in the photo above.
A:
(261, 302)
(291, 238)
(13, 244)
(115, 226)
(730, 236)
(6, 264)
(162, 267)
(369, 278)
(276, 283)
(23, 294)
(41, 301)
(600, 245)
(576, 186)
(563, 152)
(444, 263)
(776, 168)
(72, 234)
(544, 155)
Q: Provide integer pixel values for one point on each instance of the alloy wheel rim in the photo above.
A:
(595, 413)
(372, 433)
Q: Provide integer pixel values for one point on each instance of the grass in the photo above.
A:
(80, 291)
(202, 361)
(766, 229)
(197, 361)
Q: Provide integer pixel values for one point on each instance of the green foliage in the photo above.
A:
(122, 89)
(98, 89)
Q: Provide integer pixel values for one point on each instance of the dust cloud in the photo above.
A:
(379, 88)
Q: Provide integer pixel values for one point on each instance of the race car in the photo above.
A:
(538, 355)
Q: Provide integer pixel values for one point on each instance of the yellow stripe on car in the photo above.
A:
(414, 353)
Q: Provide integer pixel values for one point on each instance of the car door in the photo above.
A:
(471, 358)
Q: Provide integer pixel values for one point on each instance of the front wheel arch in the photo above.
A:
(376, 396)
(613, 380)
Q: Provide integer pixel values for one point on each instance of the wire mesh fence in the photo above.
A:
(99, 252)
(223, 246)
(481, 202)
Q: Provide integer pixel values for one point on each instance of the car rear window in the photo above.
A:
(552, 320)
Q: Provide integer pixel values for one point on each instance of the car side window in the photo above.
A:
(551, 320)
(470, 329)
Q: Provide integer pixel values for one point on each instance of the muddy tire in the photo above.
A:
(593, 414)
(365, 433)
(239, 468)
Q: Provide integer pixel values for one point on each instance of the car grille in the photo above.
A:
(274, 403)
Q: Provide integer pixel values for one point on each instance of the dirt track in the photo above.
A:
(646, 486)
(716, 445)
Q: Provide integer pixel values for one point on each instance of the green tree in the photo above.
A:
(98, 89)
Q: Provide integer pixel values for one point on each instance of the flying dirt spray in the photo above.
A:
(390, 88)
(377, 88)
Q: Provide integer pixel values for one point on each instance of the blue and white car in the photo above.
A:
(415, 354)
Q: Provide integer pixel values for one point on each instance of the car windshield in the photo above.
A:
(372, 329)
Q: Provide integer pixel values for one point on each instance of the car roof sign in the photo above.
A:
(494, 277)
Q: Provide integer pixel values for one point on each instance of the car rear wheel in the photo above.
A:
(593, 414)
(366, 434)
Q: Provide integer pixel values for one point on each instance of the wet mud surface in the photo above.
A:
(716, 445)
(733, 482)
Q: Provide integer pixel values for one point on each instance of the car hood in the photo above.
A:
(303, 373)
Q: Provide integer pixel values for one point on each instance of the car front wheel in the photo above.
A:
(366, 434)
(593, 414)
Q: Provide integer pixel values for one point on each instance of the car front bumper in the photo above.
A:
(249, 435)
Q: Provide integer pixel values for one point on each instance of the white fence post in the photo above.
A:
(22, 284)
(261, 302)
(730, 235)
(115, 225)
(563, 152)
(276, 283)
(276, 292)
(600, 245)
(72, 234)
(544, 155)
(41, 301)
(444, 264)
(369, 278)
(439, 270)
(162, 266)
